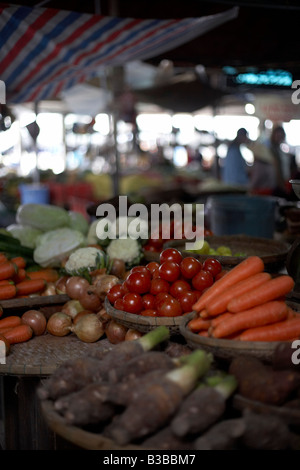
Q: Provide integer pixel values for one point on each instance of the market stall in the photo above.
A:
(90, 315)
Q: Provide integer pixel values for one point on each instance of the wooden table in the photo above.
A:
(26, 366)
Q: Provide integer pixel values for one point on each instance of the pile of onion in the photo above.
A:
(59, 324)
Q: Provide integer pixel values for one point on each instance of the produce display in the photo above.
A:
(138, 394)
(169, 288)
(247, 304)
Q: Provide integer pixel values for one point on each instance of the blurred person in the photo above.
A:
(235, 168)
(272, 168)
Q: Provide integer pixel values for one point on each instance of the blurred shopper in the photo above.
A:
(235, 168)
(272, 168)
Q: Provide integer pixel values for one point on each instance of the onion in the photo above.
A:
(118, 268)
(75, 286)
(103, 315)
(90, 300)
(59, 324)
(89, 328)
(81, 314)
(101, 284)
(60, 284)
(36, 320)
(115, 332)
(72, 308)
(132, 334)
(50, 289)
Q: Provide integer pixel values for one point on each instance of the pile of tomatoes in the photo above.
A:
(167, 288)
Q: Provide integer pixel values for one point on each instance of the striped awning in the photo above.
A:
(45, 51)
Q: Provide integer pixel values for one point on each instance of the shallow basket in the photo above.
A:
(141, 323)
(227, 349)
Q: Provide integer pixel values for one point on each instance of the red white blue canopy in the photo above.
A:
(44, 51)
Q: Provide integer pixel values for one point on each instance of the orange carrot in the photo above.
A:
(47, 274)
(246, 268)
(18, 334)
(216, 320)
(19, 261)
(219, 304)
(270, 312)
(281, 331)
(8, 270)
(198, 323)
(8, 292)
(203, 333)
(6, 282)
(20, 276)
(270, 290)
(10, 322)
(30, 286)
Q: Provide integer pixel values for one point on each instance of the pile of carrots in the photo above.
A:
(13, 331)
(247, 304)
(16, 281)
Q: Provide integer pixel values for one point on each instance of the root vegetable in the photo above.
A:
(36, 320)
(103, 316)
(75, 285)
(81, 314)
(18, 334)
(258, 381)
(76, 373)
(87, 406)
(203, 407)
(72, 307)
(70, 377)
(115, 332)
(132, 334)
(118, 268)
(261, 315)
(90, 300)
(248, 267)
(49, 290)
(101, 284)
(223, 435)
(265, 432)
(140, 365)
(157, 402)
(59, 324)
(60, 285)
(165, 439)
(89, 328)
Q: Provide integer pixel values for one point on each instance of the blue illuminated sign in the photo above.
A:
(266, 78)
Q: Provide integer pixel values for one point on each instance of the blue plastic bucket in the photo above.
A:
(241, 214)
(34, 193)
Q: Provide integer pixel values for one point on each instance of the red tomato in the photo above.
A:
(119, 304)
(149, 312)
(152, 266)
(202, 280)
(160, 297)
(213, 266)
(221, 274)
(156, 242)
(159, 285)
(187, 300)
(170, 254)
(169, 270)
(140, 269)
(138, 282)
(151, 248)
(133, 303)
(178, 287)
(189, 267)
(169, 307)
(114, 293)
(148, 301)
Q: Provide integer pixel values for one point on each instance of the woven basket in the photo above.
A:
(141, 323)
(227, 349)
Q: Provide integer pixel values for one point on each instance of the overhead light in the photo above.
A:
(250, 108)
